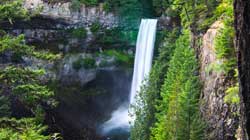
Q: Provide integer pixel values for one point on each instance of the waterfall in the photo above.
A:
(143, 60)
(144, 55)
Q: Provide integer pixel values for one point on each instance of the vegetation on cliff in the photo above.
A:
(21, 86)
(176, 88)
(167, 107)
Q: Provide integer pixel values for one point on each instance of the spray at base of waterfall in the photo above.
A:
(120, 119)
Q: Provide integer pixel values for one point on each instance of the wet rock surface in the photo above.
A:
(222, 118)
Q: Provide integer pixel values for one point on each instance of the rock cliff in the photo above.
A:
(84, 16)
(222, 118)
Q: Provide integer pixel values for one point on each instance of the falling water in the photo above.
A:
(144, 55)
(143, 60)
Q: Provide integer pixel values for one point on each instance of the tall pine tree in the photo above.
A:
(21, 84)
(150, 93)
(178, 110)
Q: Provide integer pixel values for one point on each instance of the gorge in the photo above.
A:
(124, 69)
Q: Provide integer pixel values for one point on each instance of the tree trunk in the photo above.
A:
(242, 27)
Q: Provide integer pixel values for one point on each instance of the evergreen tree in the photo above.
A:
(173, 88)
(20, 83)
(150, 93)
(178, 109)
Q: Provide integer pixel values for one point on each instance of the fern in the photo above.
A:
(232, 93)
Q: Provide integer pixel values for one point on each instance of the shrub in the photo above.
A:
(95, 27)
(103, 63)
(10, 10)
(110, 36)
(79, 32)
(232, 93)
(4, 106)
(224, 48)
(224, 45)
(120, 57)
(89, 2)
(88, 63)
(23, 129)
(107, 7)
(75, 5)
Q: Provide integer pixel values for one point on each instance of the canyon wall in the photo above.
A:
(222, 118)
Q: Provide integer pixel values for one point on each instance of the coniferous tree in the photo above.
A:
(145, 108)
(20, 83)
(178, 109)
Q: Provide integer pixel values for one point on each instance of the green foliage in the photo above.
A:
(95, 27)
(104, 63)
(21, 83)
(107, 6)
(10, 10)
(4, 106)
(216, 10)
(25, 83)
(232, 93)
(113, 36)
(129, 11)
(78, 32)
(160, 6)
(23, 129)
(88, 63)
(76, 4)
(89, 2)
(214, 66)
(196, 15)
(116, 57)
(224, 45)
(32, 93)
(109, 36)
(129, 37)
(224, 9)
(16, 75)
(121, 58)
(144, 109)
(12, 77)
(17, 46)
(178, 108)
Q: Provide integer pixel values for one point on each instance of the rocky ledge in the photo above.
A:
(85, 16)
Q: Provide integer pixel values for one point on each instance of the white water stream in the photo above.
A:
(144, 55)
(143, 60)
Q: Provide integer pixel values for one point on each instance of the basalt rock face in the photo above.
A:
(49, 20)
(52, 28)
(242, 22)
(84, 16)
(221, 118)
(55, 22)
